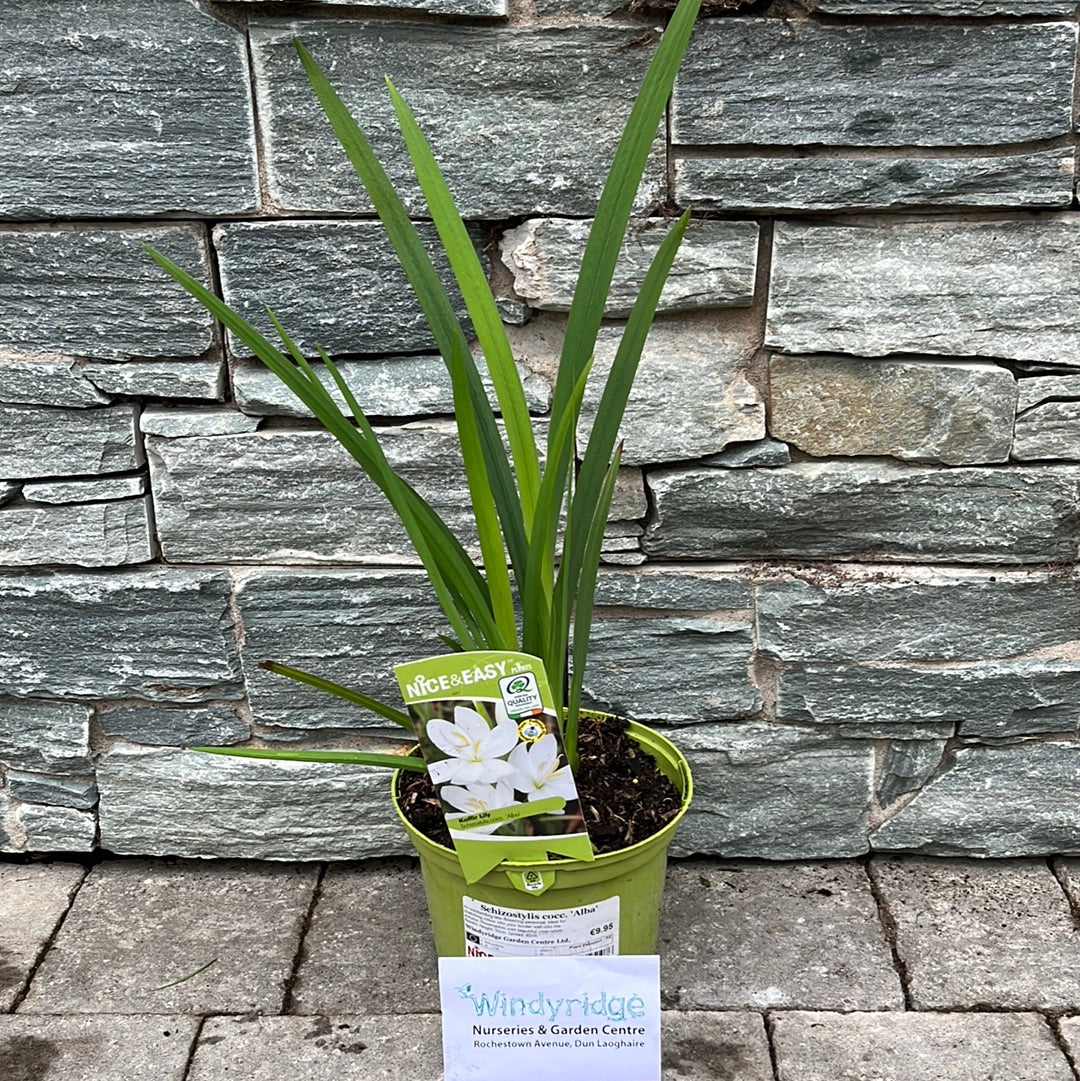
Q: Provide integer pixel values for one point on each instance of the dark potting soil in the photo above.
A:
(624, 797)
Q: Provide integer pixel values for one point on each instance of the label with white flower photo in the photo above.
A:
(487, 729)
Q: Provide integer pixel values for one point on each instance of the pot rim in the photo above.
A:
(634, 730)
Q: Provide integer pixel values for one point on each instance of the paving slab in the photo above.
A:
(1069, 1028)
(795, 935)
(708, 1046)
(700, 1046)
(33, 899)
(95, 1048)
(319, 1049)
(1067, 872)
(916, 1047)
(138, 926)
(369, 948)
(974, 934)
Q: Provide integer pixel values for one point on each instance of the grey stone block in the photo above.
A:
(697, 589)
(171, 128)
(1069, 1027)
(761, 937)
(351, 627)
(942, 7)
(993, 801)
(892, 182)
(916, 1047)
(579, 8)
(1067, 872)
(622, 557)
(546, 104)
(938, 615)
(785, 82)
(115, 302)
(872, 509)
(9, 842)
(714, 267)
(705, 1045)
(986, 699)
(174, 423)
(297, 496)
(105, 1048)
(360, 909)
(137, 926)
(79, 793)
(43, 381)
(33, 898)
(82, 534)
(905, 767)
(691, 396)
(57, 829)
(674, 668)
(319, 1049)
(45, 737)
(771, 791)
(764, 453)
(473, 8)
(173, 727)
(200, 379)
(310, 272)
(383, 387)
(995, 289)
(956, 920)
(1036, 698)
(41, 442)
(621, 536)
(628, 502)
(1036, 389)
(171, 802)
(159, 634)
(956, 413)
(1051, 430)
(85, 491)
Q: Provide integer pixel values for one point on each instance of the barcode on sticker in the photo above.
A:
(585, 931)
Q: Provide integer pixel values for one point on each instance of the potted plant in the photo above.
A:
(540, 528)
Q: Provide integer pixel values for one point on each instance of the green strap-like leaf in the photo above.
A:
(486, 321)
(352, 758)
(434, 543)
(583, 606)
(310, 391)
(336, 689)
(616, 204)
(578, 559)
(609, 413)
(456, 581)
(484, 455)
(536, 597)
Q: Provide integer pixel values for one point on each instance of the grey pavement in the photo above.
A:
(887, 969)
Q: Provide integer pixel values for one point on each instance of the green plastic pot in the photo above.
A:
(624, 887)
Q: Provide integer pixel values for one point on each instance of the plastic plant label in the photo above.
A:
(555, 1019)
(585, 931)
(487, 729)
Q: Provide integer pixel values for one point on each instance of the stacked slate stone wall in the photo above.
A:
(841, 565)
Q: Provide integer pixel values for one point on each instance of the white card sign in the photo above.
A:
(551, 1018)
